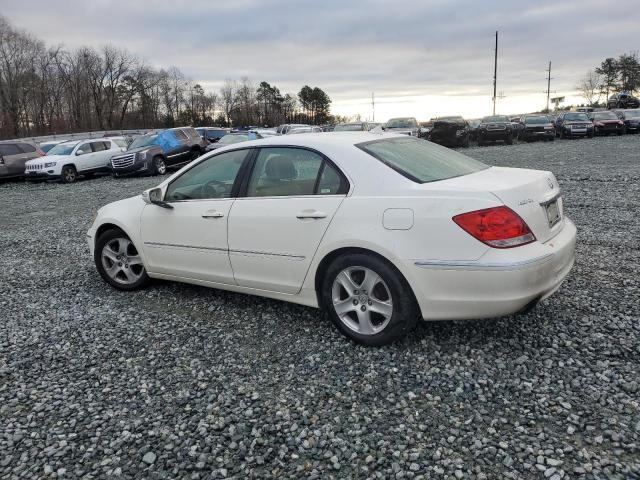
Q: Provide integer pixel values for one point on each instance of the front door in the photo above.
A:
(190, 240)
(276, 227)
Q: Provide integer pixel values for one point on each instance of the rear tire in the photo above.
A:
(118, 261)
(68, 174)
(368, 300)
(509, 140)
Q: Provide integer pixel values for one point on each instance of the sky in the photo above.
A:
(422, 58)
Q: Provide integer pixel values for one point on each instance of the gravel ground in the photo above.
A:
(179, 381)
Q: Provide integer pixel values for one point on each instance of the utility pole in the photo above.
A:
(548, 92)
(373, 107)
(495, 74)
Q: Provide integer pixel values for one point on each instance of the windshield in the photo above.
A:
(121, 142)
(143, 141)
(632, 114)
(45, 147)
(229, 139)
(63, 149)
(537, 120)
(402, 123)
(348, 127)
(580, 117)
(605, 116)
(421, 161)
(496, 118)
(451, 119)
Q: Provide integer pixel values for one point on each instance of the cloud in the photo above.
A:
(415, 49)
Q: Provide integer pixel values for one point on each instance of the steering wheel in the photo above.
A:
(213, 189)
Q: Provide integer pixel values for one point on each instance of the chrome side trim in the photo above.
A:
(176, 245)
(240, 252)
(268, 254)
(475, 265)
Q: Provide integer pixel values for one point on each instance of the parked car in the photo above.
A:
(69, 160)
(378, 230)
(49, 144)
(153, 153)
(474, 123)
(623, 100)
(283, 129)
(631, 119)
(573, 124)
(233, 138)
(606, 123)
(352, 127)
(495, 128)
(403, 125)
(212, 134)
(537, 127)
(307, 129)
(450, 131)
(13, 156)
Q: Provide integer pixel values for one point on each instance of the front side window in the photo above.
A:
(211, 178)
(280, 172)
(83, 149)
(421, 161)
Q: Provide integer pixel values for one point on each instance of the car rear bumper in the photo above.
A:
(10, 171)
(501, 282)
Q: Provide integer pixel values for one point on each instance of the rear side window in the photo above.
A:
(9, 149)
(26, 148)
(421, 161)
(180, 135)
(98, 146)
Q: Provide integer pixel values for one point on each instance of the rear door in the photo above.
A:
(101, 154)
(12, 159)
(275, 228)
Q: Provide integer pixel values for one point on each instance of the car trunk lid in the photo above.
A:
(532, 194)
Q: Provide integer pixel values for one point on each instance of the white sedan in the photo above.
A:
(67, 160)
(379, 230)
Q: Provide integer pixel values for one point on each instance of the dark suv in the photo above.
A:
(537, 127)
(573, 124)
(450, 131)
(631, 119)
(153, 153)
(623, 100)
(495, 128)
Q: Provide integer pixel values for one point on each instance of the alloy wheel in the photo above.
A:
(362, 300)
(69, 175)
(121, 261)
(161, 167)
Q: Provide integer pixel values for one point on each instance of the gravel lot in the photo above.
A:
(179, 381)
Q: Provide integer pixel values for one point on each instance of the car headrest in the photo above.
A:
(279, 167)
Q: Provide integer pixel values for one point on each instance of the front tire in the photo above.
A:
(68, 174)
(119, 262)
(368, 300)
(159, 166)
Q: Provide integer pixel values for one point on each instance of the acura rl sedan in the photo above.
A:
(377, 229)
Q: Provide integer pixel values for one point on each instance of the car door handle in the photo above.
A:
(212, 214)
(315, 214)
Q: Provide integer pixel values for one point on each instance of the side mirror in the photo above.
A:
(80, 152)
(153, 196)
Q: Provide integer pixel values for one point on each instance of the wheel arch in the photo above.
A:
(329, 257)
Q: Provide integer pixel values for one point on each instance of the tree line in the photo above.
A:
(613, 75)
(50, 89)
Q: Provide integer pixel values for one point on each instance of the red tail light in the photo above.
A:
(498, 227)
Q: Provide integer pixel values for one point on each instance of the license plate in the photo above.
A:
(553, 213)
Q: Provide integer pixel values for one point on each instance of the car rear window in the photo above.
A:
(27, 148)
(419, 160)
(9, 149)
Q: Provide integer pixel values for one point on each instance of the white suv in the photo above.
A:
(67, 160)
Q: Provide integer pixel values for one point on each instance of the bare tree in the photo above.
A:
(590, 87)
